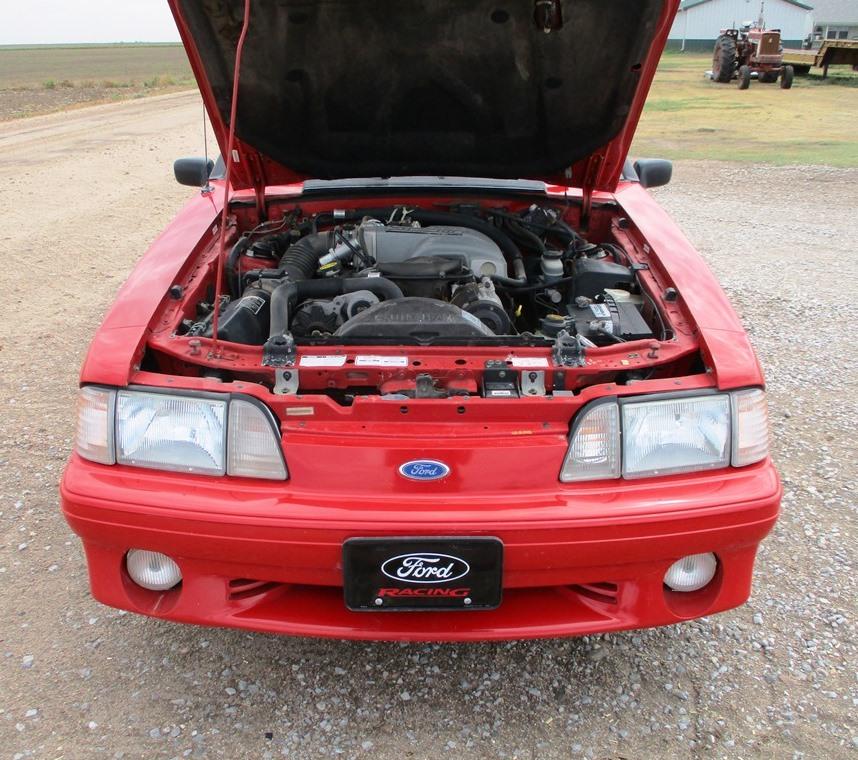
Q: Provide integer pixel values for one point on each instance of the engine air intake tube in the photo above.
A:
(302, 259)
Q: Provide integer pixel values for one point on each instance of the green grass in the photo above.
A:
(146, 65)
(687, 116)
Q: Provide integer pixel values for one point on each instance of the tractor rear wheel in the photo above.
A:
(744, 77)
(724, 58)
(787, 73)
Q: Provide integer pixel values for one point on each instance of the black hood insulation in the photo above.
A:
(364, 88)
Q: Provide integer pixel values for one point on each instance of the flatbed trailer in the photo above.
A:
(830, 53)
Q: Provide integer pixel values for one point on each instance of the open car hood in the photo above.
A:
(510, 89)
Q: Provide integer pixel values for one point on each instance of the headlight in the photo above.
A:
(209, 435)
(179, 433)
(676, 435)
(645, 437)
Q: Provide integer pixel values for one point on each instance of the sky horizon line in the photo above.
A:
(86, 42)
(88, 22)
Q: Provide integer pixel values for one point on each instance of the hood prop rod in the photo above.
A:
(230, 152)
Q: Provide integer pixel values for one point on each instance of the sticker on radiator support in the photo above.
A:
(300, 411)
(381, 361)
(522, 362)
(333, 360)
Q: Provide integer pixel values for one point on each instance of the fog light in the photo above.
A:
(691, 573)
(152, 570)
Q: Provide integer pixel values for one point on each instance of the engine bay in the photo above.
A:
(408, 276)
(424, 300)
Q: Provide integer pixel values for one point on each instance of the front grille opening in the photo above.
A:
(604, 591)
(247, 588)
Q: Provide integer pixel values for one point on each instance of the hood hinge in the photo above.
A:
(254, 165)
(591, 171)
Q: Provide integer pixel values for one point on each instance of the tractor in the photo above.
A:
(740, 53)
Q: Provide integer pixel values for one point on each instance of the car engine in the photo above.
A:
(411, 276)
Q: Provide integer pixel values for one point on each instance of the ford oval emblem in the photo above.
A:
(425, 567)
(424, 469)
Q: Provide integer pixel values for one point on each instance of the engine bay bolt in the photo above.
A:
(176, 292)
(467, 600)
(379, 601)
(653, 351)
(194, 345)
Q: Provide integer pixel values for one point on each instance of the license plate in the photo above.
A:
(422, 573)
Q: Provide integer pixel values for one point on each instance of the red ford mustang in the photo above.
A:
(422, 360)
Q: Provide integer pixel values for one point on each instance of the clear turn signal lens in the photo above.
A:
(253, 444)
(94, 433)
(750, 427)
(594, 450)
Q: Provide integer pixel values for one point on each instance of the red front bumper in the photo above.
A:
(577, 560)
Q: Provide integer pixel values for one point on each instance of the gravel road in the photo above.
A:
(84, 194)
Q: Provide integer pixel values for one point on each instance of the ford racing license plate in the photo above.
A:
(422, 573)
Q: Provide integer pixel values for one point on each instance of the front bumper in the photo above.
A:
(577, 559)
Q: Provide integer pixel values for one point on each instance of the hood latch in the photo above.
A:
(568, 351)
(547, 15)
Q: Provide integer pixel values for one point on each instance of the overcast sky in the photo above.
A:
(30, 22)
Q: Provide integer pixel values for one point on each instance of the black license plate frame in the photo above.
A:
(386, 574)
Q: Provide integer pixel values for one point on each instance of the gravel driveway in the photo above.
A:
(86, 192)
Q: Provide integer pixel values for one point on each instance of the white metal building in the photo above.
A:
(698, 22)
(834, 20)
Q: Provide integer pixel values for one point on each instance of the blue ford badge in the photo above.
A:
(424, 469)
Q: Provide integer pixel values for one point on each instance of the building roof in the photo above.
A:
(688, 4)
(835, 11)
